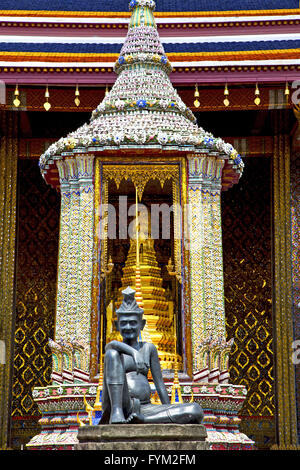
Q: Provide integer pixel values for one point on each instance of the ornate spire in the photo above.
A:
(143, 68)
(142, 44)
(142, 109)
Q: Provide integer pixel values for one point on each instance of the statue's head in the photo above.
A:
(130, 316)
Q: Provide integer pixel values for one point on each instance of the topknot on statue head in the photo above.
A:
(129, 305)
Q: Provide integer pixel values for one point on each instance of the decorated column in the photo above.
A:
(209, 347)
(70, 347)
(62, 280)
(85, 165)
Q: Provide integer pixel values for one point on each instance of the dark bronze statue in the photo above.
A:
(126, 390)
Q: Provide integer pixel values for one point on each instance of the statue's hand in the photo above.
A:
(139, 362)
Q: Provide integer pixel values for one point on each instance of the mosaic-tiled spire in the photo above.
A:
(143, 70)
(142, 108)
(142, 44)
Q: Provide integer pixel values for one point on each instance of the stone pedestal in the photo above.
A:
(142, 437)
(61, 405)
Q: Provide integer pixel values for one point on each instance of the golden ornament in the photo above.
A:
(17, 102)
(47, 105)
(257, 101)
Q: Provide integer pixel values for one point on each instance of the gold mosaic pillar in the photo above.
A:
(99, 248)
(86, 233)
(282, 306)
(75, 268)
(63, 271)
(73, 252)
(8, 189)
(210, 350)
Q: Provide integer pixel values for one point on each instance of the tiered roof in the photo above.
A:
(165, 5)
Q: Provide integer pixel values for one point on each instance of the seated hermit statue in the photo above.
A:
(126, 391)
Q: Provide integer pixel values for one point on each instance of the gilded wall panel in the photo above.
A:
(246, 227)
(8, 198)
(38, 221)
(295, 222)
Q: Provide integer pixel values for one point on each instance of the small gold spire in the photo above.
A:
(176, 396)
(98, 401)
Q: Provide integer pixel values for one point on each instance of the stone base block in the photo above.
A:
(62, 405)
(142, 437)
